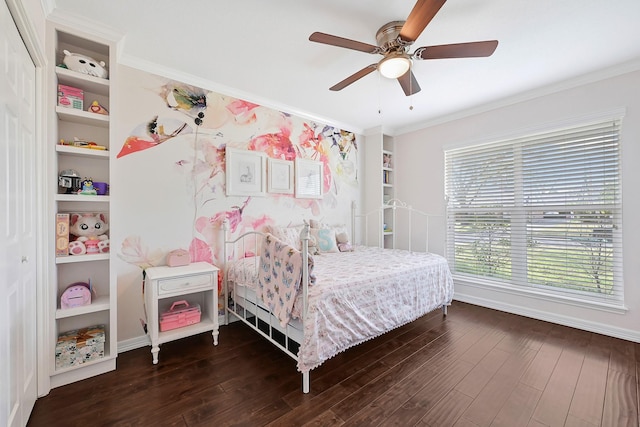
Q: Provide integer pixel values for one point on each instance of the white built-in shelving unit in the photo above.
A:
(67, 123)
(379, 188)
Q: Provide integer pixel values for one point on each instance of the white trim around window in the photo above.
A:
(540, 213)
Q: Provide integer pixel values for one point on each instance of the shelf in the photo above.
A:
(82, 258)
(74, 115)
(88, 83)
(84, 365)
(185, 331)
(81, 198)
(81, 152)
(100, 303)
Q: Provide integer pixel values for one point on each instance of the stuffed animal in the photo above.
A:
(87, 233)
(87, 188)
(84, 64)
(95, 107)
(313, 246)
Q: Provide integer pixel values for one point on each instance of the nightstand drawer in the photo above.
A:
(185, 284)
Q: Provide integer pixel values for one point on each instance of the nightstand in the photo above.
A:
(196, 283)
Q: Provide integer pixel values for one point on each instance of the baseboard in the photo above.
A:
(133, 343)
(599, 328)
(144, 341)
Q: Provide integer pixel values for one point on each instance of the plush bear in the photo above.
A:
(84, 64)
(87, 233)
(313, 245)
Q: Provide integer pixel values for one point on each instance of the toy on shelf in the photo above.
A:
(84, 64)
(80, 143)
(76, 295)
(87, 233)
(87, 188)
(69, 179)
(96, 108)
(386, 160)
(70, 97)
(101, 187)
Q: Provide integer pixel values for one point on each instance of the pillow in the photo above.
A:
(314, 223)
(325, 239)
(244, 271)
(289, 235)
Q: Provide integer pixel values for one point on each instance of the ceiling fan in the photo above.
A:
(394, 39)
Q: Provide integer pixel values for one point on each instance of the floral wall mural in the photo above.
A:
(169, 174)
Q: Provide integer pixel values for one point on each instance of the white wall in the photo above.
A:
(421, 183)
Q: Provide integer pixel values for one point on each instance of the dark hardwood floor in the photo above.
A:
(476, 367)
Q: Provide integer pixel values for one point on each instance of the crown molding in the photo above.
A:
(603, 74)
(174, 74)
(83, 25)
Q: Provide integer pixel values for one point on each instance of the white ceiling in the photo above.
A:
(259, 50)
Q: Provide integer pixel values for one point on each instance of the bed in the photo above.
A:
(315, 305)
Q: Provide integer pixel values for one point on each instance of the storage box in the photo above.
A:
(80, 346)
(180, 314)
(62, 234)
(70, 97)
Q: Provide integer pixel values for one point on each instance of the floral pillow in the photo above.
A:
(289, 235)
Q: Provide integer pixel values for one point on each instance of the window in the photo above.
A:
(539, 213)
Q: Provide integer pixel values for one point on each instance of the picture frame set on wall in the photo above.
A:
(252, 173)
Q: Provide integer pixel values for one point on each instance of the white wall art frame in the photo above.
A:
(280, 176)
(308, 179)
(246, 173)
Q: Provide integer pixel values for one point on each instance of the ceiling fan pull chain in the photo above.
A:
(379, 95)
(410, 87)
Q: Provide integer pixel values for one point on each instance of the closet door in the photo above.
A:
(18, 382)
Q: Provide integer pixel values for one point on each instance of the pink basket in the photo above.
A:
(179, 315)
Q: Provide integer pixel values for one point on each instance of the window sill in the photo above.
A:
(539, 294)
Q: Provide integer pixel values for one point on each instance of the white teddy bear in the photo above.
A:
(88, 232)
(84, 64)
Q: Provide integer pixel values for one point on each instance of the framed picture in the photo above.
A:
(308, 179)
(280, 176)
(246, 173)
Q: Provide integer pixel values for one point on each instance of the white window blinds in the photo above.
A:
(542, 211)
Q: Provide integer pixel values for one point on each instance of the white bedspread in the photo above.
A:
(362, 294)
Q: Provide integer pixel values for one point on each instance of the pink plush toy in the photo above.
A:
(87, 233)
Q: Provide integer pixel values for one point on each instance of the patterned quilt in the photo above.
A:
(362, 294)
(357, 295)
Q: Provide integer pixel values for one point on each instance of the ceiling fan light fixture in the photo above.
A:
(394, 65)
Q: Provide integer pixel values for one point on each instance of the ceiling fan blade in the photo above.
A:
(409, 83)
(342, 42)
(421, 14)
(354, 77)
(458, 50)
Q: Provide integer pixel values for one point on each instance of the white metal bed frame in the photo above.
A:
(253, 319)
